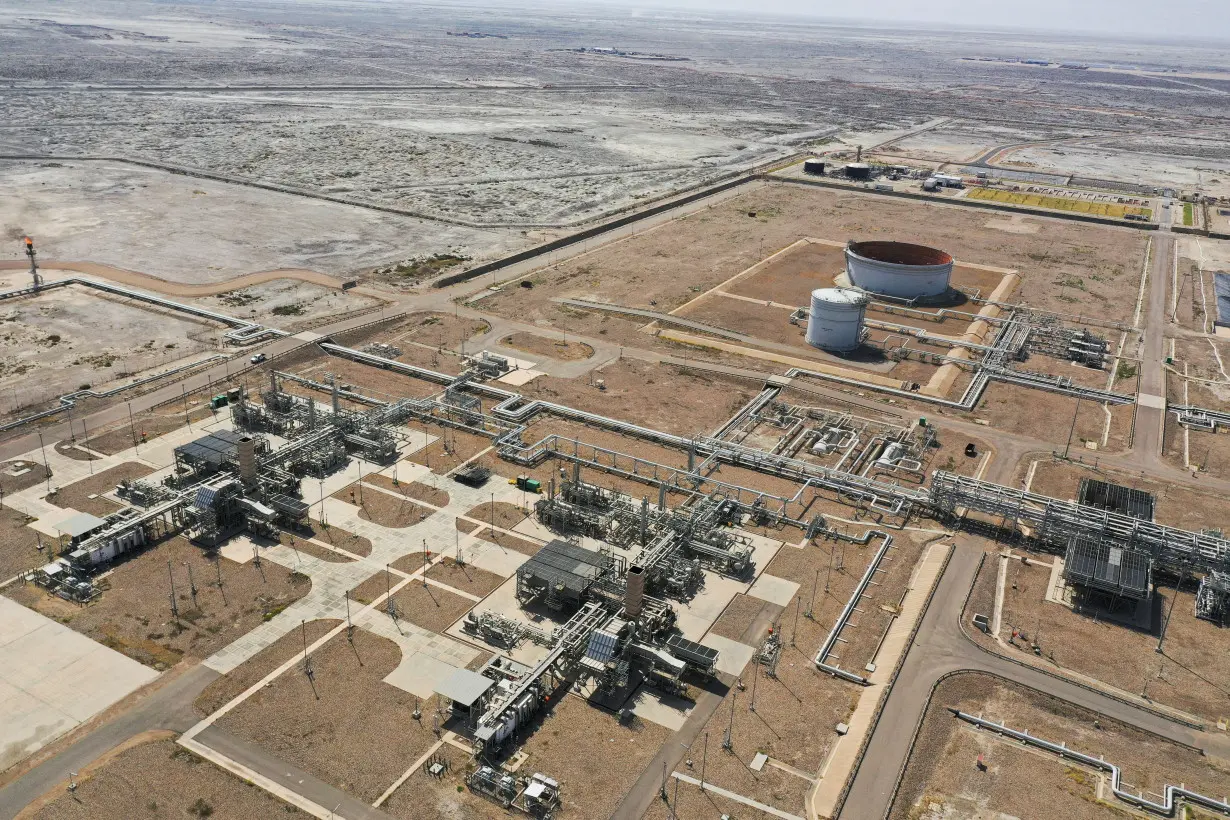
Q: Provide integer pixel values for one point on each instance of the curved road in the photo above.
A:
(940, 648)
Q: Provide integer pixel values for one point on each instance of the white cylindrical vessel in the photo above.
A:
(836, 318)
(898, 269)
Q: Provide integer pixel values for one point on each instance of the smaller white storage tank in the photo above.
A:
(835, 321)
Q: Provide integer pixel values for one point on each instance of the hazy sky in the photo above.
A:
(1200, 18)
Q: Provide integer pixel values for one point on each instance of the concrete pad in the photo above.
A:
(42, 666)
(307, 336)
(774, 590)
(238, 549)
(415, 440)
(697, 615)
(27, 724)
(665, 710)
(516, 378)
(1149, 400)
(427, 658)
(732, 655)
(17, 622)
(763, 548)
(420, 674)
(516, 364)
(493, 558)
(504, 601)
(49, 524)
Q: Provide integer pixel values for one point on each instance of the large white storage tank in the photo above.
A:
(835, 321)
(898, 269)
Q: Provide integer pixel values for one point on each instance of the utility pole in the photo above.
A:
(389, 606)
(132, 428)
(1072, 429)
(810, 614)
(184, 391)
(46, 466)
(755, 675)
(1173, 601)
(349, 625)
(85, 438)
(218, 565)
(192, 585)
(307, 660)
(704, 758)
(798, 603)
(829, 573)
(174, 603)
(728, 741)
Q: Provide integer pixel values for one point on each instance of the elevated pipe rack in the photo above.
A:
(1058, 521)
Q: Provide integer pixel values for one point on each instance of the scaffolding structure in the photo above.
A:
(1213, 597)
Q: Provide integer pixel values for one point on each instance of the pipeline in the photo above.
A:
(1171, 794)
(516, 409)
(244, 332)
(834, 635)
(69, 400)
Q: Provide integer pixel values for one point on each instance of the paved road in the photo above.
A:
(168, 706)
(648, 786)
(940, 648)
(1151, 414)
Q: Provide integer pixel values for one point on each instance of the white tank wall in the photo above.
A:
(900, 281)
(835, 321)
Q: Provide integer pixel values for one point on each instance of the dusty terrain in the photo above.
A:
(664, 397)
(75, 337)
(78, 494)
(1176, 506)
(133, 614)
(676, 262)
(19, 545)
(539, 347)
(381, 507)
(330, 725)
(226, 688)
(1189, 675)
(159, 778)
(567, 740)
(943, 780)
(429, 606)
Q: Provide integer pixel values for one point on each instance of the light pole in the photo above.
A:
(46, 466)
(704, 758)
(798, 603)
(810, 614)
(1173, 601)
(1067, 445)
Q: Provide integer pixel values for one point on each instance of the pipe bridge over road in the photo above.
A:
(1056, 522)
